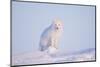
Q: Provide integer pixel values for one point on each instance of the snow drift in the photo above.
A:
(43, 57)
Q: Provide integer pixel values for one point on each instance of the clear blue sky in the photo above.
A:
(30, 19)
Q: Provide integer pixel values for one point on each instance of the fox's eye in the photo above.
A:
(58, 24)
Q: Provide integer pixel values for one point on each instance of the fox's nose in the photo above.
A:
(57, 28)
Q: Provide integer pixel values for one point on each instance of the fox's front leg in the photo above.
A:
(54, 43)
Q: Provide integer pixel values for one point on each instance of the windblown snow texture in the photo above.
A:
(43, 58)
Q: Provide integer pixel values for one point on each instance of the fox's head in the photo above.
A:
(57, 24)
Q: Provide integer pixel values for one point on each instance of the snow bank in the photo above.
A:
(43, 57)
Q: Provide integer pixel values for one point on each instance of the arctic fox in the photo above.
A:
(50, 37)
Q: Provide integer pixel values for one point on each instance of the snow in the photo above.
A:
(43, 57)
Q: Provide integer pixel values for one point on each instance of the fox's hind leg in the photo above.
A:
(44, 45)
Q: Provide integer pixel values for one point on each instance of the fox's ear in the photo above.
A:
(57, 20)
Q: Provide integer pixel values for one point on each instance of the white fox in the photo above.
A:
(50, 37)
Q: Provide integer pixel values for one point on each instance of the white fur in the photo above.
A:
(50, 37)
